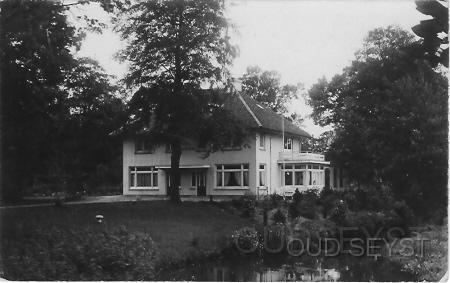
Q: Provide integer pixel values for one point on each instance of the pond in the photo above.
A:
(288, 268)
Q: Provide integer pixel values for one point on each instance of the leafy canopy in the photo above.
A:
(389, 112)
(175, 41)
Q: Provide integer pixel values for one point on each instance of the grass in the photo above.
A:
(179, 232)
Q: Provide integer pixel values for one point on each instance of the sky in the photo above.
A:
(302, 40)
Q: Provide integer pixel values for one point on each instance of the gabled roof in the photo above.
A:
(257, 116)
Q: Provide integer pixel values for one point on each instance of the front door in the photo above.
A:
(199, 181)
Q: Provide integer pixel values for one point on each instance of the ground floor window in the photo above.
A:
(293, 174)
(143, 177)
(233, 175)
(262, 175)
(302, 175)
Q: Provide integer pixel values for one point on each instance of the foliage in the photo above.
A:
(320, 144)
(30, 231)
(265, 87)
(82, 254)
(247, 239)
(434, 31)
(429, 260)
(396, 105)
(339, 212)
(279, 217)
(246, 204)
(274, 200)
(42, 83)
(172, 47)
(304, 204)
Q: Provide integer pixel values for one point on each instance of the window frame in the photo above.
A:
(220, 169)
(262, 169)
(288, 142)
(133, 172)
(147, 148)
(294, 169)
(262, 141)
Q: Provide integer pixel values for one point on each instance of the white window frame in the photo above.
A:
(262, 141)
(220, 168)
(293, 171)
(287, 142)
(134, 171)
(264, 172)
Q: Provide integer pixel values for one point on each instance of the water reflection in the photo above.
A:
(342, 268)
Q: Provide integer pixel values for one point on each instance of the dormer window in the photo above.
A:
(287, 143)
(143, 146)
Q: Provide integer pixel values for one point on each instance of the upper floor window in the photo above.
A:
(288, 143)
(233, 175)
(262, 141)
(143, 146)
(143, 177)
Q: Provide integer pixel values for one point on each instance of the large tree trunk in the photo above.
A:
(175, 174)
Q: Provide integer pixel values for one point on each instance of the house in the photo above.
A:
(270, 161)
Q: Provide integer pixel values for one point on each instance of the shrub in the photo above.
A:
(276, 200)
(279, 217)
(304, 208)
(246, 240)
(339, 212)
(92, 253)
(297, 196)
(245, 204)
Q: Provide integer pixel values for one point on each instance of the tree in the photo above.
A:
(92, 154)
(173, 46)
(41, 134)
(389, 111)
(265, 87)
(35, 43)
(434, 31)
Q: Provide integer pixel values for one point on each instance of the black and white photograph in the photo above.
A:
(224, 140)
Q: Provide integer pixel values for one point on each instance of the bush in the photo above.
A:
(245, 204)
(297, 196)
(93, 253)
(304, 204)
(279, 217)
(339, 213)
(246, 240)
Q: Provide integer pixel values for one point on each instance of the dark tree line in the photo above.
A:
(389, 111)
(57, 109)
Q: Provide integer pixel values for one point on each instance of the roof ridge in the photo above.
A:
(249, 110)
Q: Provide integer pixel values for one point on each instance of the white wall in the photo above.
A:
(189, 157)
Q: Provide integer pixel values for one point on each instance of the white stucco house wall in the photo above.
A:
(270, 161)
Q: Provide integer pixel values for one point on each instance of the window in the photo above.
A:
(288, 178)
(262, 175)
(288, 143)
(143, 177)
(299, 178)
(235, 175)
(262, 141)
(293, 174)
(143, 146)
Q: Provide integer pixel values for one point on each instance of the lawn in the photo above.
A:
(67, 243)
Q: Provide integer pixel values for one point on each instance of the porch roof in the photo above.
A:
(303, 162)
(184, 167)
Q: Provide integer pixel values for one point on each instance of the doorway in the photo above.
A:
(199, 182)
